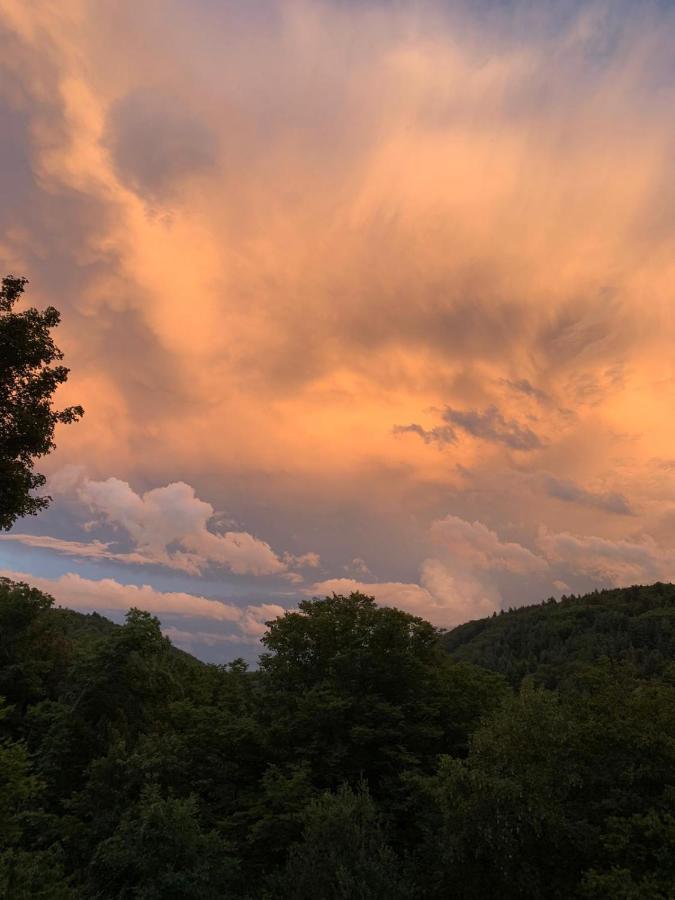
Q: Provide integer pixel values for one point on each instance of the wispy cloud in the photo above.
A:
(571, 492)
(523, 386)
(441, 434)
(490, 425)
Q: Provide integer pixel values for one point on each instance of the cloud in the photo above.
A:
(188, 640)
(167, 525)
(91, 549)
(440, 598)
(173, 516)
(107, 594)
(259, 272)
(441, 434)
(523, 386)
(304, 560)
(457, 583)
(83, 550)
(474, 546)
(294, 254)
(616, 562)
(156, 144)
(571, 492)
(490, 425)
(358, 565)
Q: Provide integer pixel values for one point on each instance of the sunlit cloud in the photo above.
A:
(617, 563)
(168, 526)
(432, 280)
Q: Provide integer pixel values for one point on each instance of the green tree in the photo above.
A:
(28, 380)
(26, 872)
(161, 852)
(638, 861)
(343, 855)
(349, 687)
(361, 691)
(32, 658)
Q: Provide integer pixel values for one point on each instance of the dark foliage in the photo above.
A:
(28, 379)
(553, 641)
(361, 760)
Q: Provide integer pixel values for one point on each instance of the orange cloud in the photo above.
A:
(276, 238)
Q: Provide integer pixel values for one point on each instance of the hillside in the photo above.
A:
(360, 760)
(552, 640)
(86, 629)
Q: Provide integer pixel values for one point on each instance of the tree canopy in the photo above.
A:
(360, 760)
(28, 380)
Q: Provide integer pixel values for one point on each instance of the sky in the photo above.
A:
(357, 295)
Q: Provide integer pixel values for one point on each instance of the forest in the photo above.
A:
(368, 755)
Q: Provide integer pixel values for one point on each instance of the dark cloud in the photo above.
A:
(156, 143)
(441, 434)
(490, 425)
(571, 492)
(523, 386)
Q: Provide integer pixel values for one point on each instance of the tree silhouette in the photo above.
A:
(28, 380)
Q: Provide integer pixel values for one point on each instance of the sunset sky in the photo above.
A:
(356, 294)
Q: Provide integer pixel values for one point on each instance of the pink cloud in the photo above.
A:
(473, 545)
(617, 562)
(107, 594)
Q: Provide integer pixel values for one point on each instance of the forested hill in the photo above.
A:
(552, 640)
(360, 760)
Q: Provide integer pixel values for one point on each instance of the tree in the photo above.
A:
(364, 692)
(160, 850)
(348, 684)
(28, 380)
(343, 855)
(24, 873)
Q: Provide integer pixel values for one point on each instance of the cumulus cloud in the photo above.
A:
(571, 492)
(474, 546)
(168, 525)
(107, 594)
(461, 580)
(457, 583)
(441, 598)
(616, 562)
